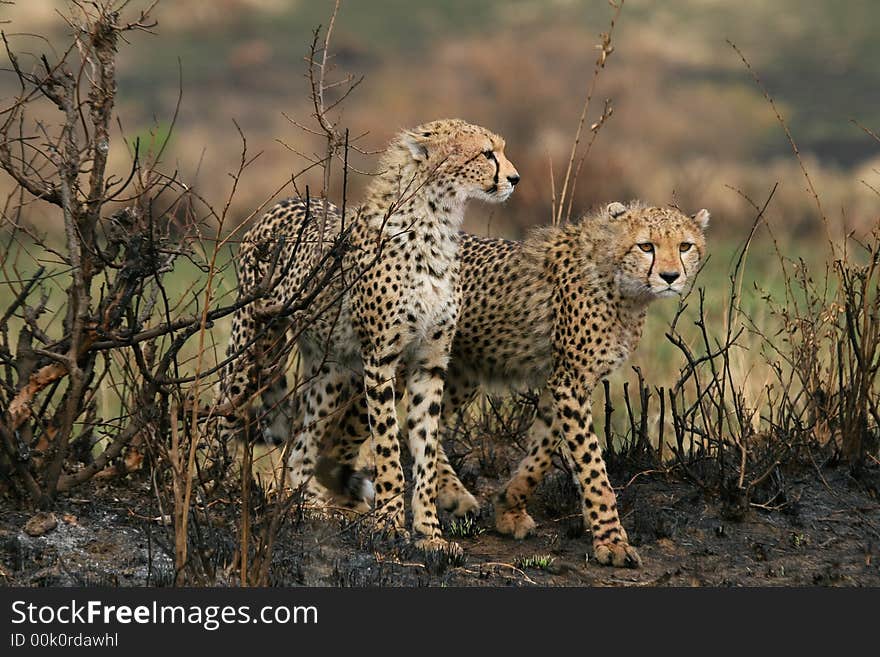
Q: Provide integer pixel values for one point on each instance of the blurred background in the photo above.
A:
(689, 126)
(688, 122)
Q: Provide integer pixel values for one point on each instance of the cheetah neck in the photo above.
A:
(425, 215)
(398, 196)
(588, 253)
(631, 315)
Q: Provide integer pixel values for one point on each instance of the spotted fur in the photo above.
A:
(558, 312)
(386, 319)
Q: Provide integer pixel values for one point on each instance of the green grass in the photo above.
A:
(465, 528)
(762, 275)
(536, 561)
(658, 359)
(184, 289)
(661, 362)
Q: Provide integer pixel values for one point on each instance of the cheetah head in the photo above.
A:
(464, 159)
(658, 250)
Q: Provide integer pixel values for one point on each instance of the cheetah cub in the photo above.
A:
(385, 317)
(559, 312)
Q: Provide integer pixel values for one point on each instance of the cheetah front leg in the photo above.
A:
(342, 473)
(354, 426)
(567, 421)
(599, 505)
(425, 393)
(379, 382)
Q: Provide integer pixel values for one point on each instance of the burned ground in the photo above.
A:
(823, 530)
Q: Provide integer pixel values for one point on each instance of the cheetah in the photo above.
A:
(386, 317)
(557, 313)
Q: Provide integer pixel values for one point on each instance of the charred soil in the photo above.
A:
(825, 530)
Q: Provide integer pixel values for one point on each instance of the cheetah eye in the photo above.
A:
(685, 246)
(489, 155)
(647, 247)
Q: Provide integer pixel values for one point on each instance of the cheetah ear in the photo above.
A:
(615, 209)
(702, 218)
(415, 143)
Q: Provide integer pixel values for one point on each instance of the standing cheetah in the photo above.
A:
(390, 311)
(558, 312)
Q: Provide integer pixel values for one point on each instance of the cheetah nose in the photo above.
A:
(513, 179)
(669, 276)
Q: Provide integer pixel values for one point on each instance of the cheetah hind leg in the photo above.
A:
(341, 471)
(318, 403)
(346, 487)
(452, 495)
(354, 488)
(275, 414)
(511, 516)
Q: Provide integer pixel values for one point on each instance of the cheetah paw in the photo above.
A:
(438, 544)
(389, 524)
(393, 532)
(514, 522)
(458, 502)
(620, 555)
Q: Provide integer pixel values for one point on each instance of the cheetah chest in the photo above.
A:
(430, 305)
